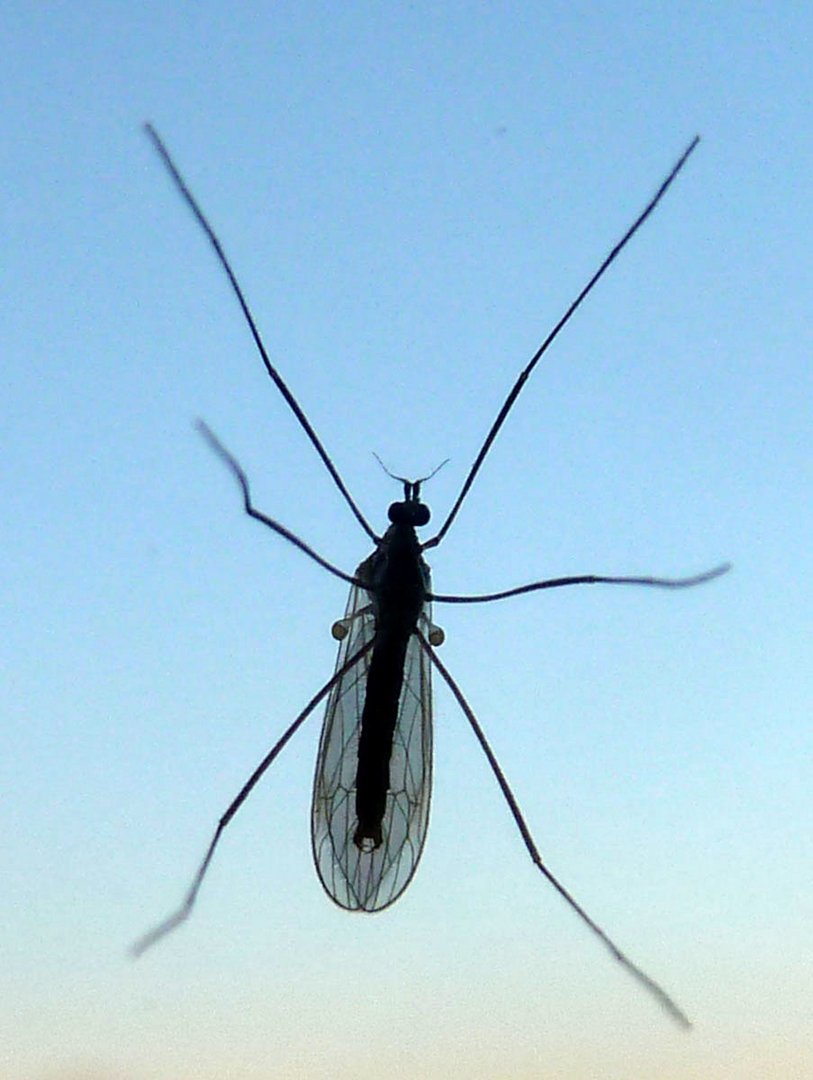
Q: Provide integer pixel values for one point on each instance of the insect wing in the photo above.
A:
(371, 880)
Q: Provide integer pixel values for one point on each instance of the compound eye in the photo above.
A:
(397, 513)
(421, 514)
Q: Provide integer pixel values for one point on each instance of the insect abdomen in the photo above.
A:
(384, 682)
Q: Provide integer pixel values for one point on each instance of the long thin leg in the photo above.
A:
(649, 984)
(235, 466)
(586, 579)
(518, 385)
(183, 912)
(293, 404)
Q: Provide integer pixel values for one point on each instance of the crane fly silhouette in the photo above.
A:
(372, 784)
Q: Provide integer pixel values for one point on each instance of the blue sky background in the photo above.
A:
(411, 195)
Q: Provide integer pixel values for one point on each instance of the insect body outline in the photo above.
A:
(373, 776)
(372, 783)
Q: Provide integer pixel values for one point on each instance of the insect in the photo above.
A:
(372, 784)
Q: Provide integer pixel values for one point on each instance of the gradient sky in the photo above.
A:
(411, 195)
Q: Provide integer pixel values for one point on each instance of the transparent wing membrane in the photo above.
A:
(356, 879)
